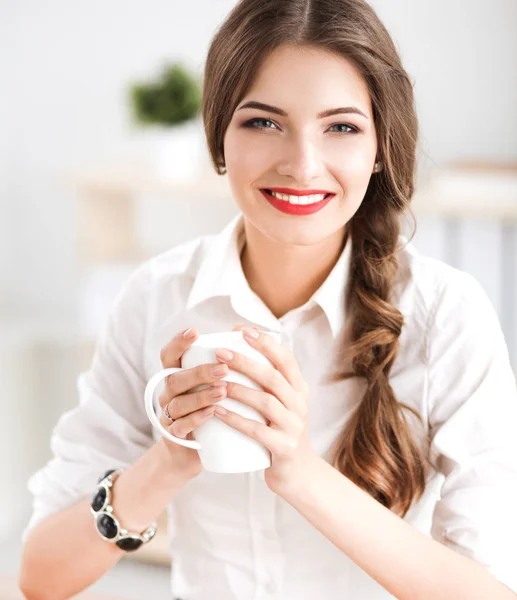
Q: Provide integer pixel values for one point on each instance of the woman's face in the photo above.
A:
(299, 149)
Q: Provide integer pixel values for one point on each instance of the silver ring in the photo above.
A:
(166, 413)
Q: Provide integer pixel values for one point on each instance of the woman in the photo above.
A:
(390, 409)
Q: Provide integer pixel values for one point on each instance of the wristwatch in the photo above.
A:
(106, 522)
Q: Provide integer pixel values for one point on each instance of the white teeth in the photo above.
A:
(311, 199)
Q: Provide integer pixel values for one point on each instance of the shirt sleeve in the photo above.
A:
(472, 399)
(109, 427)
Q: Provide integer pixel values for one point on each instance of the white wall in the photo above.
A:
(65, 66)
(462, 56)
(5, 145)
(69, 63)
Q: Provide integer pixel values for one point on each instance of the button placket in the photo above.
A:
(269, 559)
(289, 328)
(285, 340)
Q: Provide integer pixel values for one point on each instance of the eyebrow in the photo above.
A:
(326, 113)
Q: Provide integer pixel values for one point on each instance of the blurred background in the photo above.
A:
(88, 191)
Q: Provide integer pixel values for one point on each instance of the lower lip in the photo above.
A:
(296, 209)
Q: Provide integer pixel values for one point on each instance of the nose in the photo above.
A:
(301, 161)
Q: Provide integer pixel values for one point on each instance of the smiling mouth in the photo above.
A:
(298, 206)
(298, 200)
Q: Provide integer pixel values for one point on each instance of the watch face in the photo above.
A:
(107, 526)
(129, 544)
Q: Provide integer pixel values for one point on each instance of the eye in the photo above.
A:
(252, 123)
(255, 124)
(351, 129)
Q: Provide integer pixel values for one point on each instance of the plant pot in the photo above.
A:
(176, 153)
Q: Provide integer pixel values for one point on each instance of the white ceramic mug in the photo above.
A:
(222, 449)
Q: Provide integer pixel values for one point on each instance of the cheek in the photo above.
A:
(245, 159)
(352, 167)
(354, 159)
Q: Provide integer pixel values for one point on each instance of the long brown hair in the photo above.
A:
(377, 450)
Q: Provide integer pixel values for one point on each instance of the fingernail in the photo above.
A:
(189, 333)
(251, 333)
(223, 354)
(209, 410)
(219, 370)
(219, 410)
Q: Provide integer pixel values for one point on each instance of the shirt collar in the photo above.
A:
(220, 274)
(220, 271)
(331, 294)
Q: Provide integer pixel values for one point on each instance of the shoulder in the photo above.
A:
(177, 263)
(434, 289)
(163, 278)
(451, 325)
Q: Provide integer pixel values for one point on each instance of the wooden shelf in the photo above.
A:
(131, 179)
(107, 212)
(463, 193)
(461, 190)
(107, 209)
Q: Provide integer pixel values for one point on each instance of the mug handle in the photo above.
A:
(149, 408)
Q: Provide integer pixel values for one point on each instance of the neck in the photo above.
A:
(286, 276)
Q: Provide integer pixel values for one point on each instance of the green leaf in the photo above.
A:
(173, 98)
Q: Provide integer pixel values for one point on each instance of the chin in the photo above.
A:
(297, 231)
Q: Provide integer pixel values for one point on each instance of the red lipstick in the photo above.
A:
(293, 192)
(296, 209)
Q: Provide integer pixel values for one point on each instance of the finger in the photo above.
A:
(281, 357)
(171, 353)
(188, 379)
(269, 406)
(266, 376)
(278, 442)
(166, 422)
(185, 404)
(182, 427)
(242, 326)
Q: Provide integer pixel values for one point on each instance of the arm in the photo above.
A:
(472, 413)
(410, 565)
(109, 429)
(64, 554)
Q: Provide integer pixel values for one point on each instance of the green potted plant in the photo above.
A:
(168, 107)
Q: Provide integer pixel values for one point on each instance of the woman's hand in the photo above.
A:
(284, 403)
(188, 410)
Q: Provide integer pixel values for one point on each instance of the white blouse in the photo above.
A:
(230, 536)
